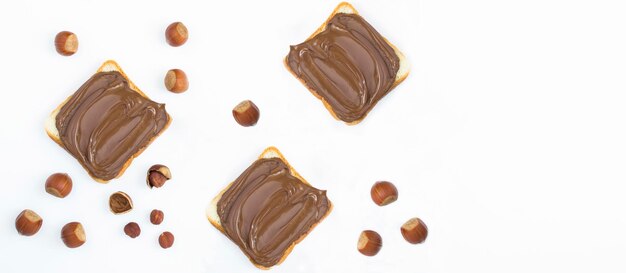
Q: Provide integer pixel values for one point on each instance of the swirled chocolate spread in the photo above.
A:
(349, 64)
(105, 123)
(267, 209)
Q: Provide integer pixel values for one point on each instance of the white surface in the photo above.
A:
(507, 138)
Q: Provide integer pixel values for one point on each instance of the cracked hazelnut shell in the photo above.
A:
(120, 202)
(157, 176)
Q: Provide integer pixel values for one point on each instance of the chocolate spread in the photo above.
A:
(267, 209)
(105, 123)
(349, 64)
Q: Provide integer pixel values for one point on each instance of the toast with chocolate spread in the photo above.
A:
(106, 123)
(347, 64)
(268, 209)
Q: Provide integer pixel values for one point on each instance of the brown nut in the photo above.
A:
(176, 81)
(166, 239)
(132, 229)
(158, 175)
(28, 223)
(59, 185)
(414, 231)
(369, 243)
(384, 193)
(66, 43)
(120, 202)
(176, 34)
(156, 217)
(73, 235)
(246, 113)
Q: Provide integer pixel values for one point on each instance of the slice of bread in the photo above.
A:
(403, 70)
(53, 132)
(214, 219)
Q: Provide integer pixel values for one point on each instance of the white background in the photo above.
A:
(507, 138)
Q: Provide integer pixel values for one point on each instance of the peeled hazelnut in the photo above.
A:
(132, 229)
(246, 113)
(120, 202)
(176, 34)
(66, 43)
(158, 175)
(414, 231)
(166, 239)
(156, 217)
(73, 235)
(59, 185)
(28, 223)
(369, 243)
(384, 193)
(176, 81)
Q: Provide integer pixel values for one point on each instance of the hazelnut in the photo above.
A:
(73, 235)
(59, 185)
(66, 43)
(158, 175)
(132, 229)
(369, 243)
(156, 217)
(28, 223)
(176, 81)
(120, 202)
(176, 34)
(246, 113)
(166, 239)
(414, 231)
(384, 193)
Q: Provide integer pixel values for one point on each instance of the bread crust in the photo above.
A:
(53, 133)
(270, 152)
(402, 73)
